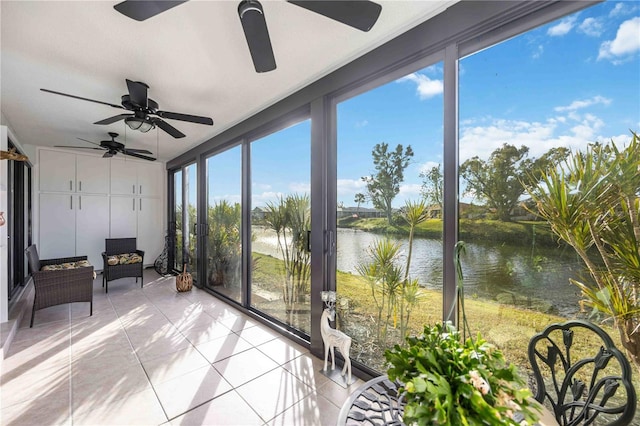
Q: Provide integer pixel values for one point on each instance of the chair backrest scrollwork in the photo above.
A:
(582, 375)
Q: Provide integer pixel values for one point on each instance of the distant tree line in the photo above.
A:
(498, 182)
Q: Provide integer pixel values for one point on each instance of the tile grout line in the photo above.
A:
(232, 388)
(135, 353)
(70, 369)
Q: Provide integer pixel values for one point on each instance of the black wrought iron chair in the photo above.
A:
(579, 391)
(121, 247)
(67, 280)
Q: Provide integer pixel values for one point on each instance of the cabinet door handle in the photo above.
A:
(133, 207)
(133, 188)
(140, 204)
(70, 202)
(70, 185)
(140, 190)
(80, 185)
(80, 202)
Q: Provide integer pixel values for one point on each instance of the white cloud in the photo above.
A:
(622, 9)
(575, 131)
(626, 43)
(563, 27)
(261, 199)
(360, 124)
(261, 186)
(427, 88)
(408, 190)
(575, 105)
(426, 167)
(350, 187)
(539, 50)
(300, 187)
(591, 27)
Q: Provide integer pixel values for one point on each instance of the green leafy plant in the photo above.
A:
(448, 381)
(290, 218)
(591, 202)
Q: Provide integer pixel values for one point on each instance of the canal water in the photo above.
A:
(495, 272)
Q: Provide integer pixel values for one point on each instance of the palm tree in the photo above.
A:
(592, 204)
(414, 213)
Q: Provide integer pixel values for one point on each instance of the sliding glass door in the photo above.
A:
(185, 205)
(223, 245)
(389, 212)
(281, 225)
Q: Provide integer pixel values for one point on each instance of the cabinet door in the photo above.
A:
(123, 217)
(92, 227)
(123, 177)
(92, 175)
(57, 226)
(57, 171)
(150, 228)
(149, 179)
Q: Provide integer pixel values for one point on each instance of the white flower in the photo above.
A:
(479, 383)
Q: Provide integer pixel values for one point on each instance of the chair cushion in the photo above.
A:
(69, 265)
(124, 259)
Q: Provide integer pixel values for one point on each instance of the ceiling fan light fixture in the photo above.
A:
(141, 124)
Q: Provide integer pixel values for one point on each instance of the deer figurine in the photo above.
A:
(333, 338)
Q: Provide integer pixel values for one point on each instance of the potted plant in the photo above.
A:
(454, 380)
(446, 380)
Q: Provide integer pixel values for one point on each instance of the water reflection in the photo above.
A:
(497, 272)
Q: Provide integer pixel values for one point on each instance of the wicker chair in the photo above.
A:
(579, 390)
(60, 286)
(118, 246)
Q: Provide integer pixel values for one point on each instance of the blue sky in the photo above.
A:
(568, 83)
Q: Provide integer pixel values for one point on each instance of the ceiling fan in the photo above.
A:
(143, 108)
(113, 147)
(360, 14)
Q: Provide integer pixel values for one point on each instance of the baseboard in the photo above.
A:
(18, 310)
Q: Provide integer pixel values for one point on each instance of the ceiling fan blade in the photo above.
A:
(83, 99)
(185, 117)
(137, 93)
(257, 35)
(168, 128)
(141, 10)
(138, 151)
(93, 143)
(77, 147)
(358, 14)
(113, 119)
(107, 154)
(133, 154)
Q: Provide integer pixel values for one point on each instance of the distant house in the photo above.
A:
(257, 214)
(361, 212)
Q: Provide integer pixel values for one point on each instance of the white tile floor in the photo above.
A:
(153, 356)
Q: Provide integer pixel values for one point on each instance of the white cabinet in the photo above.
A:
(57, 171)
(149, 179)
(85, 199)
(124, 217)
(92, 227)
(73, 225)
(57, 226)
(66, 172)
(133, 178)
(141, 218)
(92, 175)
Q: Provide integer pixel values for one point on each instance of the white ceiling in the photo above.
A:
(194, 57)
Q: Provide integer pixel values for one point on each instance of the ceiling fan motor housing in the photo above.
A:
(150, 108)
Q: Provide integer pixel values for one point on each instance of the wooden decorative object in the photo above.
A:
(2, 221)
(184, 280)
(13, 155)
